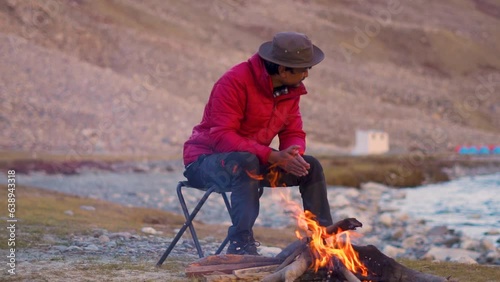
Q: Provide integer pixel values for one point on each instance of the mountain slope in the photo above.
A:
(132, 77)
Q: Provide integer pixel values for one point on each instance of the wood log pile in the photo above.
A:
(294, 264)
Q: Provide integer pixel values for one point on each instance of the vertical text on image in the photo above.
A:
(11, 221)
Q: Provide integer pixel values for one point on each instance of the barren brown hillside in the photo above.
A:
(131, 77)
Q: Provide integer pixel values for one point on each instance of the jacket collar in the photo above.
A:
(265, 83)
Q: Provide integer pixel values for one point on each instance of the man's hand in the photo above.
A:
(290, 160)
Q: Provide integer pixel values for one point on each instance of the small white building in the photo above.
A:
(371, 142)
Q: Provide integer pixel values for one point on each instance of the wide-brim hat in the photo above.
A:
(291, 49)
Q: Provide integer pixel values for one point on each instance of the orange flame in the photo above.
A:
(273, 176)
(254, 176)
(325, 246)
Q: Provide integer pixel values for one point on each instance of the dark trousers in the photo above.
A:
(229, 171)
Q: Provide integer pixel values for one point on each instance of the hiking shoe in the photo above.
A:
(243, 248)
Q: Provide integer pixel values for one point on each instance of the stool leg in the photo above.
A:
(188, 223)
(193, 214)
(222, 246)
(261, 191)
(228, 206)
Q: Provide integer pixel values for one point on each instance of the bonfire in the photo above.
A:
(319, 254)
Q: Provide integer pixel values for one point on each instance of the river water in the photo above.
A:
(468, 204)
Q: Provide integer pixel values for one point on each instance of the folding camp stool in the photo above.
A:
(190, 217)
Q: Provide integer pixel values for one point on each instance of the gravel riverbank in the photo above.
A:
(386, 227)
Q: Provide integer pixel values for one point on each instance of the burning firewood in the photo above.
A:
(345, 224)
(296, 256)
(291, 252)
(384, 268)
(299, 267)
(292, 271)
(379, 267)
(299, 260)
(375, 265)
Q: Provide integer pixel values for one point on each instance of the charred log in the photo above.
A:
(295, 260)
(383, 268)
(345, 224)
(292, 271)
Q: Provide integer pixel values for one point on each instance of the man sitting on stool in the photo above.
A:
(249, 105)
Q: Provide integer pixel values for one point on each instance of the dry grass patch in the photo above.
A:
(43, 212)
(392, 170)
(398, 170)
(462, 272)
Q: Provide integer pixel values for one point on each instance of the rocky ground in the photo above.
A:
(395, 233)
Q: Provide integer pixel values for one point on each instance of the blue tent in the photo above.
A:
(496, 150)
(484, 150)
(478, 150)
(473, 150)
(464, 150)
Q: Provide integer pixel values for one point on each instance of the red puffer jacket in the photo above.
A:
(242, 115)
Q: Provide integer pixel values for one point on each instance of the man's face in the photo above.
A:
(294, 76)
